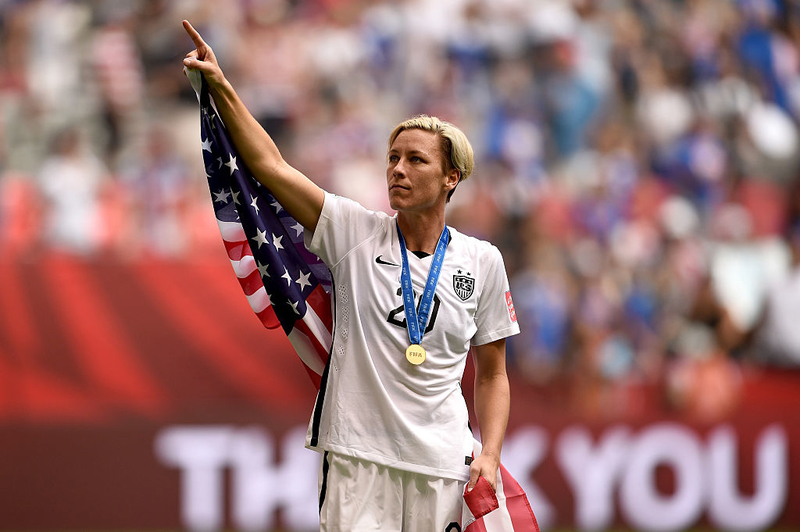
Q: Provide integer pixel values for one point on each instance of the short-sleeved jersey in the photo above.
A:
(373, 404)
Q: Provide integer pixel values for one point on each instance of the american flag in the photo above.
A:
(287, 286)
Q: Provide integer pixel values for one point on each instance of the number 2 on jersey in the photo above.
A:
(392, 317)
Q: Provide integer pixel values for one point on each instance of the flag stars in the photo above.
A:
(286, 276)
(294, 304)
(276, 240)
(231, 164)
(278, 206)
(236, 198)
(254, 203)
(303, 281)
(222, 196)
(207, 145)
(298, 227)
(262, 268)
(261, 238)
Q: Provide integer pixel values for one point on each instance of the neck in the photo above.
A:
(421, 230)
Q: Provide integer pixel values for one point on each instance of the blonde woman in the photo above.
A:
(410, 296)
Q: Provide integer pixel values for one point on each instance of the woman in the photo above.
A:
(390, 417)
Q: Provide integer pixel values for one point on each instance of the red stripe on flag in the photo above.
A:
(268, 318)
(320, 301)
(238, 249)
(252, 283)
(519, 508)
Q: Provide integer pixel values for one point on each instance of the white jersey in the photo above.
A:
(373, 404)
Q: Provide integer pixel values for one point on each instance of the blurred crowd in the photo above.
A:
(636, 160)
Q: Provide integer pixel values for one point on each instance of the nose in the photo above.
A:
(399, 168)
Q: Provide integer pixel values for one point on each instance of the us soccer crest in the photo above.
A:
(464, 285)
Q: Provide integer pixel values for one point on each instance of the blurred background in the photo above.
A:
(637, 164)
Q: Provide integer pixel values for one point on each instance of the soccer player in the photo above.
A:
(410, 297)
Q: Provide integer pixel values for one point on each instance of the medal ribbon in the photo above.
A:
(416, 323)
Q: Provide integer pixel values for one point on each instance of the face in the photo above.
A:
(415, 172)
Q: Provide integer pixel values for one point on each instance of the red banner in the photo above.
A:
(125, 404)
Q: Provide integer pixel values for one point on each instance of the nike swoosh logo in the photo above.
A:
(379, 260)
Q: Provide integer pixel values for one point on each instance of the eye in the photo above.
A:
(393, 158)
(416, 159)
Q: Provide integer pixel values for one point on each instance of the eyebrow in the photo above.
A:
(410, 152)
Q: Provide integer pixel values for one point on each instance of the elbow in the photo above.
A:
(497, 380)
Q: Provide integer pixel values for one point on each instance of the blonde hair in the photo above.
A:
(455, 146)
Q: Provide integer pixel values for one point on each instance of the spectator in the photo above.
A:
(637, 159)
(71, 179)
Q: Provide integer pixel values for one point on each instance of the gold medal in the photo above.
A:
(415, 354)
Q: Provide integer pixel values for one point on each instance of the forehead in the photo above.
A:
(416, 139)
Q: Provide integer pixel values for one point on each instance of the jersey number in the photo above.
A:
(392, 318)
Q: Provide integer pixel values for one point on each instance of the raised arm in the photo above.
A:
(300, 196)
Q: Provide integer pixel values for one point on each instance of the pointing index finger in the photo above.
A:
(196, 38)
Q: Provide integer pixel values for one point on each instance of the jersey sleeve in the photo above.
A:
(343, 225)
(495, 317)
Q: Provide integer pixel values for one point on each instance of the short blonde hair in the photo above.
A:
(455, 146)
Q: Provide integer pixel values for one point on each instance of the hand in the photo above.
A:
(486, 466)
(202, 58)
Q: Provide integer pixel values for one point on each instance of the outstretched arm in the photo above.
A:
(300, 196)
(492, 404)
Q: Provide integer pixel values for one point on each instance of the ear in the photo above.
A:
(452, 178)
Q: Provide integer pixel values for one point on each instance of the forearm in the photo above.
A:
(300, 196)
(492, 405)
(254, 145)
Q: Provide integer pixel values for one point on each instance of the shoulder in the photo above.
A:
(335, 206)
(479, 250)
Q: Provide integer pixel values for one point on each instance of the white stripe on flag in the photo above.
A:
(258, 300)
(499, 519)
(244, 267)
(306, 351)
(232, 231)
(317, 327)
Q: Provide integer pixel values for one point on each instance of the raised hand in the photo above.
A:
(202, 58)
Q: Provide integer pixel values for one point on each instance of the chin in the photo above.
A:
(394, 202)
